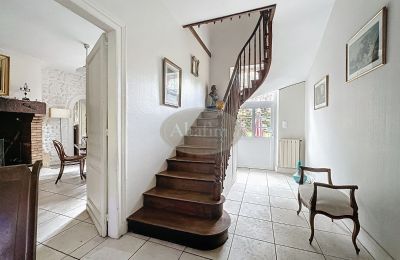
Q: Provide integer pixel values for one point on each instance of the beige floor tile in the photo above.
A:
(284, 203)
(59, 188)
(167, 243)
(71, 239)
(254, 228)
(284, 193)
(54, 226)
(232, 207)
(255, 211)
(324, 223)
(232, 227)
(187, 256)
(340, 246)
(79, 192)
(153, 251)
(60, 203)
(286, 253)
(44, 215)
(120, 249)
(250, 249)
(296, 237)
(46, 253)
(235, 195)
(138, 236)
(238, 187)
(289, 217)
(87, 247)
(43, 194)
(220, 253)
(78, 213)
(258, 189)
(256, 199)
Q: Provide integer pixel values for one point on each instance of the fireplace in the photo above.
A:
(20, 131)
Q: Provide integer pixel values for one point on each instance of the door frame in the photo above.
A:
(116, 172)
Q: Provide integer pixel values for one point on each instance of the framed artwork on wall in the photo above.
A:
(366, 51)
(321, 93)
(195, 66)
(4, 75)
(172, 83)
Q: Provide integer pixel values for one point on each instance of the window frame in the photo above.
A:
(255, 105)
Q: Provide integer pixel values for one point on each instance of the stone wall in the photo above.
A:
(62, 90)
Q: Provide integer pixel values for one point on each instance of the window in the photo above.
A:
(256, 122)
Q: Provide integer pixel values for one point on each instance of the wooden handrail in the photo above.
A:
(241, 87)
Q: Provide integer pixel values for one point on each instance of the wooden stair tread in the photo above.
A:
(187, 175)
(204, 126)
(196, 147)
(183, 195)
(194, 160)
(184, 223)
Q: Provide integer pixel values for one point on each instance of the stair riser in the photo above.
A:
(201, 141)
(210, 211)
(207, 122)
(196, 155)
(214, 132)
(205, 168)
(184, 184)
(178, 237)
(209, 114)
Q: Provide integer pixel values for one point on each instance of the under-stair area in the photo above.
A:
(186, 206)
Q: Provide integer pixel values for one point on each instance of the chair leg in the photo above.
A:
(312, 216)
(299, 200)
(355, 234)
(81, 169)
(61, 172)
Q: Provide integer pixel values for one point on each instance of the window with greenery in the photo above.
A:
(256, 122)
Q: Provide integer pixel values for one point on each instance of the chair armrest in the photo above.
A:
(309, 169)
(352, 189)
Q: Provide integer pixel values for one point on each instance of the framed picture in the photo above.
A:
(366, 51)
(172, 83)
(4, 75)
(321, 93)
(195, 66)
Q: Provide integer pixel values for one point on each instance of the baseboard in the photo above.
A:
(286, 170)
(373, 247)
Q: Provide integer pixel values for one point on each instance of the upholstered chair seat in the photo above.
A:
(333, 202)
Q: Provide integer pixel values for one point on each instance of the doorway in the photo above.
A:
(256, 146)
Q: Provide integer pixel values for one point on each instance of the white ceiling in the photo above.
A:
(298, 29)
(46, 30)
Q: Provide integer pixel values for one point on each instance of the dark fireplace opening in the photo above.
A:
(15, 138)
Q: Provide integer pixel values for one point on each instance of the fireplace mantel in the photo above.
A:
(22, 106)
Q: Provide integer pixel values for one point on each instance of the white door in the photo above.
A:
(96, 109)
(256, 148)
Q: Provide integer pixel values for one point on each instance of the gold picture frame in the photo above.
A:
(195, 66)
(4, 75)
(361, 58)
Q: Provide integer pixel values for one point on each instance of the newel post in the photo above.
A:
(218, 160)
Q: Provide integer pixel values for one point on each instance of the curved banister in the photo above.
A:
(241, 87)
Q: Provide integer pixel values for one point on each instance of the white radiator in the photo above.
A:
(289, 153)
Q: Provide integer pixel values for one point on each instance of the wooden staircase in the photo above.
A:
(186, 206)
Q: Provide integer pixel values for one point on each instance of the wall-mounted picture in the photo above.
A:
(321, 93)
(366, 51)
(172, 83)
(195, 66)
(4, 75)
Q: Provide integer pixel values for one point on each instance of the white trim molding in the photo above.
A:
(116, 32)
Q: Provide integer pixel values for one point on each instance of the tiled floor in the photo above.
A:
(264, 226)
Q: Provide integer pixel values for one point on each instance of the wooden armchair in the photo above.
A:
(68, 160)
(328, 200)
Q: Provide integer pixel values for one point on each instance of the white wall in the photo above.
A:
(152, 33)
(358, 135)
(24, 69)
(291, 110)
(226, 41)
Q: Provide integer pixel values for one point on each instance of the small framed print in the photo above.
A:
(172, 83)
(195, 66)
(321, 93)
(366, 51)
(4, 75)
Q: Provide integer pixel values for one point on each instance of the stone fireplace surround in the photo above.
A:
(30, 116)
